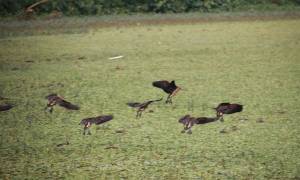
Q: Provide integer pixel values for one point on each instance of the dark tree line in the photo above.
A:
(100, 7)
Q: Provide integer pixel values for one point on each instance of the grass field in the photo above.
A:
(255, 63)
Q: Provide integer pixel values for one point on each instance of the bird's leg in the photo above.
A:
(46, 108)
(51, 109)
(140, 114)
(140, 111)
(189, 127)
(220, 115)
(84, 130)
(222, 119)
(87, 128)
(50, 105)
(137, 114)
(169, 100)
(184, 128)
(89, 131)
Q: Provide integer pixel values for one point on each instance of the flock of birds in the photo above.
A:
(168, 87)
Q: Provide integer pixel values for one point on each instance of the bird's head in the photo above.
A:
(184, 119)
(83, 122)
(174, 85)
(51, 95)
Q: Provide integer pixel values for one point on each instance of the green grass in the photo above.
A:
(255, 63)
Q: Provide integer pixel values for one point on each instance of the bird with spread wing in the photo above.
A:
(141, 106)
(87, 122)
(55, 99)
(168, 87)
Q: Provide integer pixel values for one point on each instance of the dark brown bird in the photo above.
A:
(227, 108)
(63, 144)
(3, 98)
(141, 106)
(168, 87)
(94, 120)
(54, 99)
(189, 121)
(6, 107)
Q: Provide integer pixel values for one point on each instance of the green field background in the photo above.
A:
(255, 63)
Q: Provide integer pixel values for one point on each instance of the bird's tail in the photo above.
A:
(68, 105)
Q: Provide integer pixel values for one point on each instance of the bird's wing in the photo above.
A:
(158, 100)
(86, 120)
(161, 84)
(224, 104)
(233, 108)
(68, 105)
(151, 101)
(5, 107)
(204, 120)
(133, 104)
(103, 119)
(3, 98)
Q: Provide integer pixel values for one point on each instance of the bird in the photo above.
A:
(227, 108)
(3, 98)
(6, 107)
(168, 87)
(63, 144)
(54, 99)
(141, 106)
(87, 122)
(189, 121)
